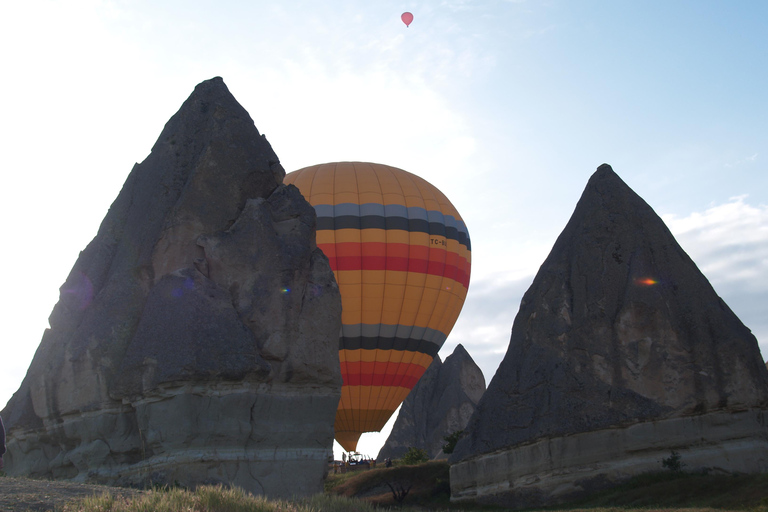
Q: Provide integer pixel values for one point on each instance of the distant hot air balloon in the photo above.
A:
(401, 256)
(407, 18)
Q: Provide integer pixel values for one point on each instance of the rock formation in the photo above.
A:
(621, 352)
(196, 338)
(440, 404)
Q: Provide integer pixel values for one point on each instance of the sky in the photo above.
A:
(507, 106)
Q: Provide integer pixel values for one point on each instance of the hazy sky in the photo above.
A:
(507, 106)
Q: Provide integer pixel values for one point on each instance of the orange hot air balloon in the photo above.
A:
(407, 18)
(401, 256)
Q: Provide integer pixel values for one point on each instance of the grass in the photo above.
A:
(367, 491)
(670, 490)
(215, 499)
(336, 479)
(428, 483)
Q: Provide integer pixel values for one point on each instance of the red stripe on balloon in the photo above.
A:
(413, 369)
(378, 379)
(362, 374)
(399, 257)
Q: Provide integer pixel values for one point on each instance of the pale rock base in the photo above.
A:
(247, 436)
(553, 470)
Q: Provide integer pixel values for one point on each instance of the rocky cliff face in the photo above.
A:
(440, 404)
(620, 352)
(196, 338)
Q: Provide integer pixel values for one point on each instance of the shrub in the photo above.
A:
(399, 490)
(673, 462)
(450, 441)
(414, 456)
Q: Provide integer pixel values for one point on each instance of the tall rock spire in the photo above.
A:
(618, 328)
(192, 328)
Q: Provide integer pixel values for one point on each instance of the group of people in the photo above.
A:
(345, 464)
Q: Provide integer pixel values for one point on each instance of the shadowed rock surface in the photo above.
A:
(440, 404)
(621, 351)
(195, 340)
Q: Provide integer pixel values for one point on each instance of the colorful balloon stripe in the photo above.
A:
(384, 356)
(392, 216)
(393, 206)
(372, 368)
(376, 256)
(385, 343)
(380, 379)
(395, 223)
(361, 398)
(392, 331)
(409, 338)
(380, 252)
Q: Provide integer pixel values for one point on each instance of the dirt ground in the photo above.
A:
(20, 494)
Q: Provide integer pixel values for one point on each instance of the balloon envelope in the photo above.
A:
(407, 18)
(401, 256)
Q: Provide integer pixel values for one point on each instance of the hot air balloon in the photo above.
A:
(407, 18)
(401, 256)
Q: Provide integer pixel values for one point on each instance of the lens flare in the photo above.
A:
(646, 281)
(179, 291)
(81, 288)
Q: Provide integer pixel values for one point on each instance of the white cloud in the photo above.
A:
(729, 244)
(745, 160)
(485, 322)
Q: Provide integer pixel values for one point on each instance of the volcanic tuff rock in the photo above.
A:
(621, 352)
(196, 338)
(440, 404)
